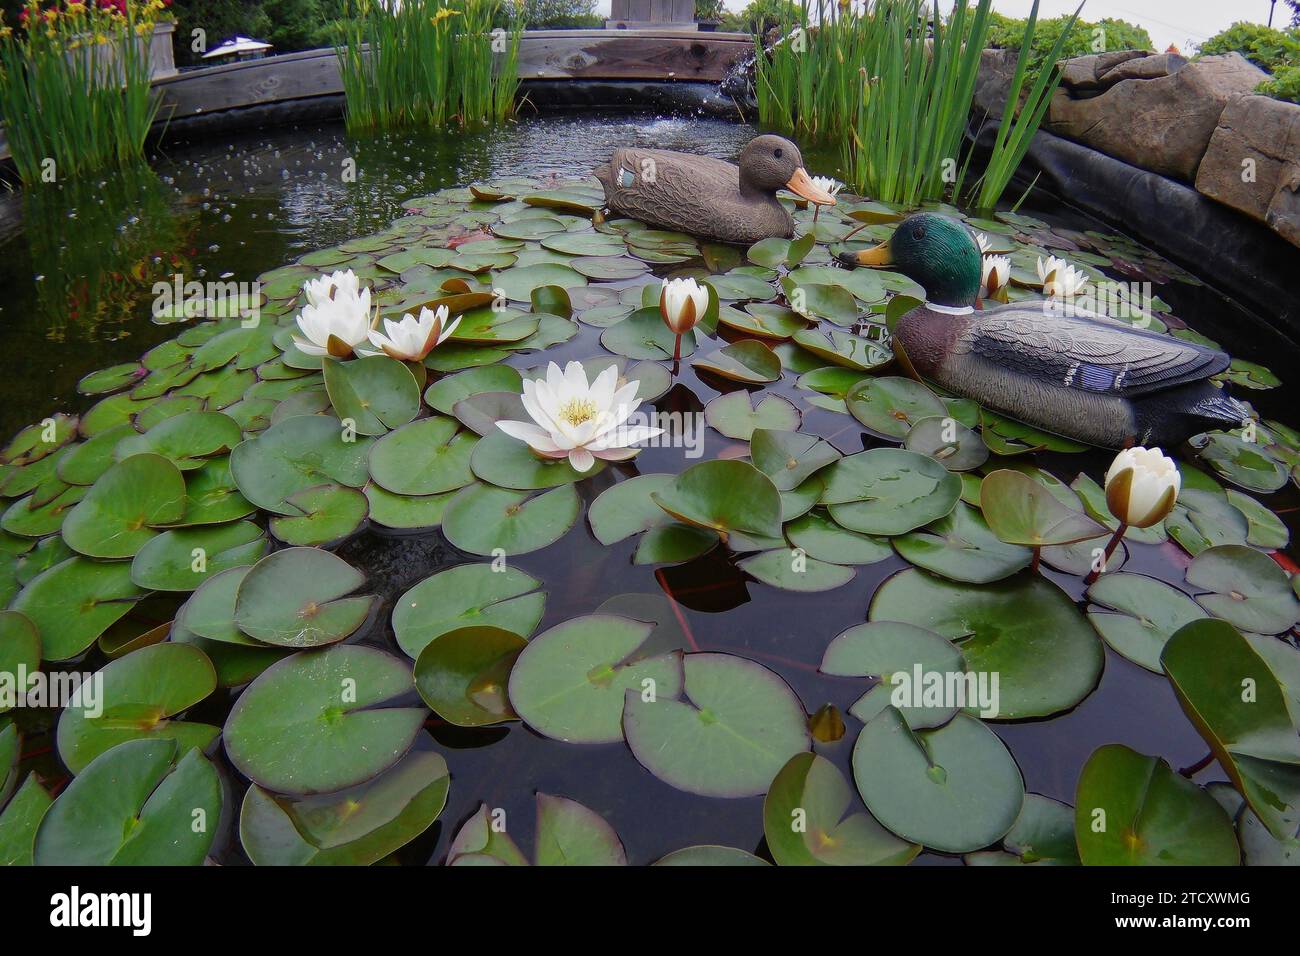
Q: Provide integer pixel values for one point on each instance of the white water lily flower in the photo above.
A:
(1142, 486)
(1059, 278)
(828, 184)
(995, 274)
(336, 318)
(411, 339)
(581, 422)
(682, 303)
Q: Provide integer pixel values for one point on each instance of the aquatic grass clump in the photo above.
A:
(427, 63)
(894, 88)
(75, 87)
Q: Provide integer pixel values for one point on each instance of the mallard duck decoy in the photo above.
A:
(707, 197)
(1081, 375)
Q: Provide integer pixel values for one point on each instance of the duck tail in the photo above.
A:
(1221, 410)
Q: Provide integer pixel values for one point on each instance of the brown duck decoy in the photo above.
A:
(707, 197)
(1081, 375)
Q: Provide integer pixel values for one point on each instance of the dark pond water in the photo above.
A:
(77, 283)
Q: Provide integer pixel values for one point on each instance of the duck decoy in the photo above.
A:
(1081, 375)
(707, 197)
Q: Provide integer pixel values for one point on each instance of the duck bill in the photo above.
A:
(877, 256)
(801, 185)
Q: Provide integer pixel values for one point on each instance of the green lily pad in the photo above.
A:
(643, 335)
(1245, 464)
(892, 653)
(793, 570)
(39, 440)
(141, 694)
(627, 508)
(789, 458)
(355, 827)
(1266, 528)
(462, 675)
(122, 509)
(823, 539)
(507, 462)
(211, 496)
(426, 457)
(948, 442)
(807, 820)
(1042, 836)
(953, 789)
(735, 416)
(296, 454)
(317, 722)
(18, 823)
(888, 491)
(74, 602)
(210, 612)
(710, 856)
(328, 514)
(405, 512)
(749, 362)
(1247, 587)
(1020, 510)
(186, 440)
(673, 543)
(298, 598)
(519, 282)
(143, 803)
(374, 394)
(183, 559)
(83, 463)
(1026, 630)
(764, 319)
(724, 496)
(443, 394)
(20, 647)
(737, 725)
(1133, 810)
(960, 547)
(892, 406)
(843, 349)
(1235, 702)
(1144, 613)
(485, 520)
(569, 682)
(470, 595)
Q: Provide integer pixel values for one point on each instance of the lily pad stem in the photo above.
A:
(1111, 545)
(1197, 767)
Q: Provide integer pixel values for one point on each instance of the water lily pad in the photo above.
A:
(948, 442)
(39, 440)
(1246, 464)
(1235, 702)
(183, 559)
(485, 520)
(793, 570)
(471, 595)
(121, 510)
(141, 693)
(443, 394)
(296, 454)
(518, 283)
(627, 508)
(735, 415)
(135, 805)
(1248, 588)
(373, 395)
(892, 653)
(355, 827)
(185, 440)
(74, 602)
(891, 405)
(426, 457)
(211, 496)
(18, 823)
(1133, 810)
(569, 682)
(1020, 510)
(298, 598)
(823, 539)
(507, 462)
(710, 856)
(807, 820)
(673, 543)
(1026, 630)
(328, 514)
(643, 335)
(462, 675)
(960, 547)
(750, 362)
(317, 722)
(843, 349)
(764, 319)
(724, 496)
(1144, 614)
(1042, 836)
(788, 457)
(953, 789)
(888, 491)
(736, 726)
(1266, 528)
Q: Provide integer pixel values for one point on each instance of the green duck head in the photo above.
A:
(935, 251)
(771, 162)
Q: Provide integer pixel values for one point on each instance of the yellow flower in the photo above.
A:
(444, 14)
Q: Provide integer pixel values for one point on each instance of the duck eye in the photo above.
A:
(779, 152)
(918, 232)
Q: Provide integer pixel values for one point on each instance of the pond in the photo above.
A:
(79, 279)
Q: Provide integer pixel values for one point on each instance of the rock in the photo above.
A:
(1143, 68)
(1284, 211)
(1245, 165)
(993, 81)
(1162, 124)
(1082, 72)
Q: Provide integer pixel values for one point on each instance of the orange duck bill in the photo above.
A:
(801, 185)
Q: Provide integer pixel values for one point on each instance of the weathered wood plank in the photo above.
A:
(628, 55)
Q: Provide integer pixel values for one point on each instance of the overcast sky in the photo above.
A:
(1185, 23)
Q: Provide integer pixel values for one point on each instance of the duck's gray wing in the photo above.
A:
(1090, 353)
(655, 185)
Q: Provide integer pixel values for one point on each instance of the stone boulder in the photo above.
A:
(1253, 162)
(1163, 123)
(1085, 72)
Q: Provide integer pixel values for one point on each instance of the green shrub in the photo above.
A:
(1268, 49)
(1108, 34)
(1285, 84)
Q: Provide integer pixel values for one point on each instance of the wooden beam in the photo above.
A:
(629, 55)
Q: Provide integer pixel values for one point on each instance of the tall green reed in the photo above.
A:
(427, 63)
(75, 90)
(896, 101)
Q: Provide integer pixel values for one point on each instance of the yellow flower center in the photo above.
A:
(576, 411)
